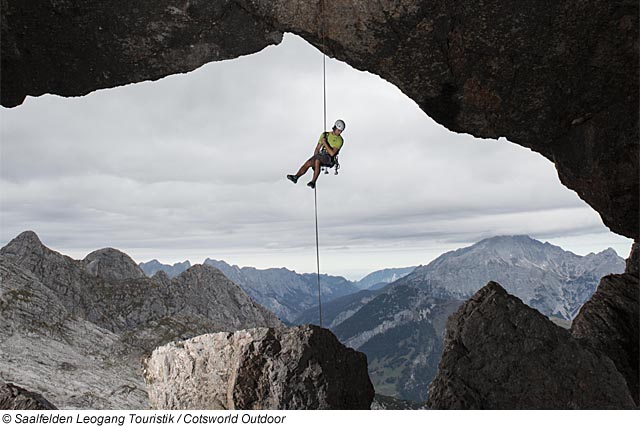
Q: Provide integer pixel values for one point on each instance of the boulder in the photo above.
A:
(501, 354)
(305, 367)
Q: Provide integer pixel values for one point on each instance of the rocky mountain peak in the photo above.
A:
(152, 267)
(112, 264)
(94, 288)
(510, 240)
(609, 252)
(29, 237)
(28, 251)
(555, 281)
(500, 353)
(201, 272)
(513, 249)
(504, 249)
(161, 278)
(25, 243)
(61, 317)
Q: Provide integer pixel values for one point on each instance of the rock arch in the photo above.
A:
(560, 78)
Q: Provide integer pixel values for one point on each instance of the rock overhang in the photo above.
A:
(561, 79)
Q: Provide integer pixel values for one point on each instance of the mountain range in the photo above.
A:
(75, 330)
(152, 267)
(285, 292)
(381, 278)
(544, 276)
(84, 324)
(401, 327)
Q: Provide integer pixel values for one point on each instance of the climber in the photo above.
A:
(325, 154)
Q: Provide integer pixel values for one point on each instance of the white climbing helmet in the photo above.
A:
(339, 125)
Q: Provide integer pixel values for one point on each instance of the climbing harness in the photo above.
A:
(334, 159)
(335, 166)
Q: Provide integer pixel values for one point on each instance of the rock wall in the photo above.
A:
(304, 367)
(558, 77)
(74, 363)
(501, 354)
(633, 262)
(608, 323)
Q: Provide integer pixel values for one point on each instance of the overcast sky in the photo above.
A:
(193, 166)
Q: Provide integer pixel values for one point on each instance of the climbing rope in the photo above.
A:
(318, 259)
(324, 127)
(324, 69)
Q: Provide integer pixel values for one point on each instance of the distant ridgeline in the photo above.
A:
(285, 292)
(401, 327)
(93, 318)
(397, 316)
(152, 267)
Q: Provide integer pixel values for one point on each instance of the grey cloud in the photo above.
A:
(192, 166)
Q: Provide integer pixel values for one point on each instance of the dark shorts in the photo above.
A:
(325, 159)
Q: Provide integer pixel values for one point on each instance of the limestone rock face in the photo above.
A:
(111, 264)
(97, 290)
(502, 354)
(560, 78)
(24, 299)
(73, 362)
(304, 367)
(78, 338)
(608, 322)
(61, 274)
(13, 397)
(161, 278)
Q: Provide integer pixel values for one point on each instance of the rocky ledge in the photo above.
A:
(501, 354)
(304, 367)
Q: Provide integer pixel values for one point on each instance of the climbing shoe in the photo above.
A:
(311, 184)
(292, 178)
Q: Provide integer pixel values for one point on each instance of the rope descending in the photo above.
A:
(318, 258)
(324, 127)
